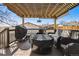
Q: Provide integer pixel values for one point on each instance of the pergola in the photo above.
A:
(40, 10)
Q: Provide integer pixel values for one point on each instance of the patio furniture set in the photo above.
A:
(44, 42)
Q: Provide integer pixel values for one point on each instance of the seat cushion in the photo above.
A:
(73, 50)
(66, 40)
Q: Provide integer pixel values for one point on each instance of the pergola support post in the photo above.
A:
(55, 25)
(22, 21)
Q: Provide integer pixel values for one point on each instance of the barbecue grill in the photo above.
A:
(20, 33)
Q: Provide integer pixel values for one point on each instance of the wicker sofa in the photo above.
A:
(68, 42)
(68, 46)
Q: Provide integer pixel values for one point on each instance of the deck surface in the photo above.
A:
(24, 49)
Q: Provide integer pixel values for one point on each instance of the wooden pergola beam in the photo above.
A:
(24, 10)
(59, 9)
(35, 8)
(17, 8)
(53, 9)
(30, 10)
(47, 9)
(66, 9)
(13, 9)
(27, 10)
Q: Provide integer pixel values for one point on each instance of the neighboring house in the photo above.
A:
(49, 26)
(70, 26)
(31, 25)
(72, 23)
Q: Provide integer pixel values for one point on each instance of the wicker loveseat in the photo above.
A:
(68, 45)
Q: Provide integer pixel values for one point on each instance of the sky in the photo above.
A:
(72, 15)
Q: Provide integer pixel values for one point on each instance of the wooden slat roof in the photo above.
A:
(40, 10)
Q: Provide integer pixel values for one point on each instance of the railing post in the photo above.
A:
(8, 37)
